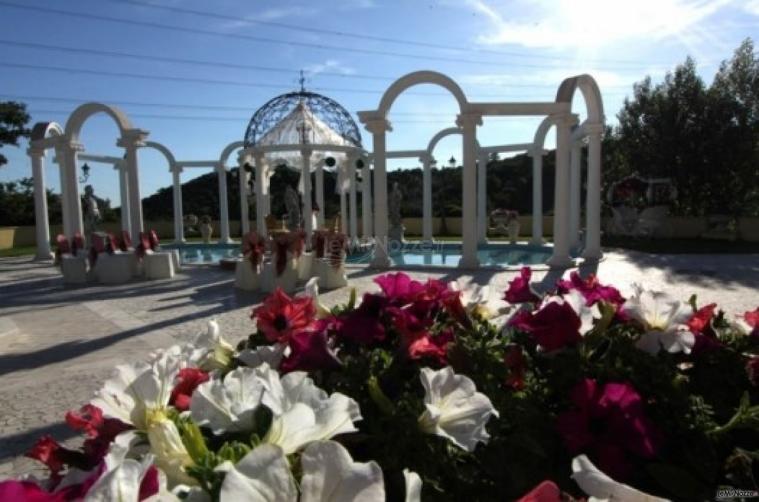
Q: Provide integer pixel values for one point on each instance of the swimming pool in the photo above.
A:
(410, 254)
(197, 253)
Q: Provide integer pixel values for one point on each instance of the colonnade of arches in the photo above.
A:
(557, 114)
(567, 204)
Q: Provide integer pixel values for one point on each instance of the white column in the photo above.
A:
(124, 196)
(575, 176)
(319, 181)
(130, 141)
(260, 209)
(243, 177)
(482, 198)
(176, 172)
(560, 257)
(60, 159)
(426, 197)
(593, 195)
(469, 122)
(537, 197)
(221, 171)
(73, 204)
(307, 206)
(378, 127)
(341, 180)
(42, 224)
(353, 200)
(366, 201)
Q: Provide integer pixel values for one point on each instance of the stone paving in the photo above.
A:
(58, 343)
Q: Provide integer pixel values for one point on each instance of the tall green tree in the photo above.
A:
(704, 138)
(13, 120)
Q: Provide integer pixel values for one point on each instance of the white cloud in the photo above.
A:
(751, 6)
(271, 14)
(330, 65)
(588, 23)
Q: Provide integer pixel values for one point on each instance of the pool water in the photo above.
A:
(206, 253)
(449, 254)
(411, 254)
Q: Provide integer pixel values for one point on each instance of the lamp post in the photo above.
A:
(85, 173)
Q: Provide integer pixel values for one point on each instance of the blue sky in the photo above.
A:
(517, 50)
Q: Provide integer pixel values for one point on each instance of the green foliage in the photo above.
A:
(13, 120)
(705, 138)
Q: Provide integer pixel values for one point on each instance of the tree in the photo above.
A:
(13, 120)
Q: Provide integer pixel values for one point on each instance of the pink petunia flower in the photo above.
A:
(556, 325)
(519, 288)
(609, 423)
(310, 350)
(280, 316)
(591, 289)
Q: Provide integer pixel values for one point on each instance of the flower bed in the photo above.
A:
(434, 391)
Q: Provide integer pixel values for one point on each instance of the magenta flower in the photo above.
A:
(310, 350)
(364, 325)
(433, 347)
(399, 287)
(701, 327)
(519, 288)
(592, 290)
(609, 423)
(556, 325)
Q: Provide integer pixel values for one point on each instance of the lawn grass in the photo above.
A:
(18, 251)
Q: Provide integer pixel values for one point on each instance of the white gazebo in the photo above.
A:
(306, 131)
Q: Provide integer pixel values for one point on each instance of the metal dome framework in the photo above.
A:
(324, 109)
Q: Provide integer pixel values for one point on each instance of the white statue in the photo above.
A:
(292, 204)
(91, 210)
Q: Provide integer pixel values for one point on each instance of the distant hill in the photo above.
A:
(509, 185)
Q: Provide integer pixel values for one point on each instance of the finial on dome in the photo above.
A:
(302, 81)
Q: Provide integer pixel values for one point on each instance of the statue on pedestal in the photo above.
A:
(395, 233)
(91, 212)
(292, 204)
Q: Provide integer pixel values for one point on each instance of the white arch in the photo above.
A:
(590, 92)
(40, 131)
(418, 78)
(593, 129)
(43, 135)
(228, 150)
(164, 151)
(79, 116)
(440, 135)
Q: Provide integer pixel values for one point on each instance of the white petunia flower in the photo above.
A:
(312, 289)
(304, 413)
(269, 354)
(262, 475)
(454, 408)
(228, 403)
(211, 351)
(139, 393)
(413, 486)
(301, 412)
(330, 474)
(601, 487)
(171, 455)
(480, 299)
(663, 319)
(122, 476)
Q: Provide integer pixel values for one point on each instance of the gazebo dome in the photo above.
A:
(301, 118)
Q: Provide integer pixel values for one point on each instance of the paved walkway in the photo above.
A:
(57, 344)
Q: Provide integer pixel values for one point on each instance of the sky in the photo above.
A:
(193, 72)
